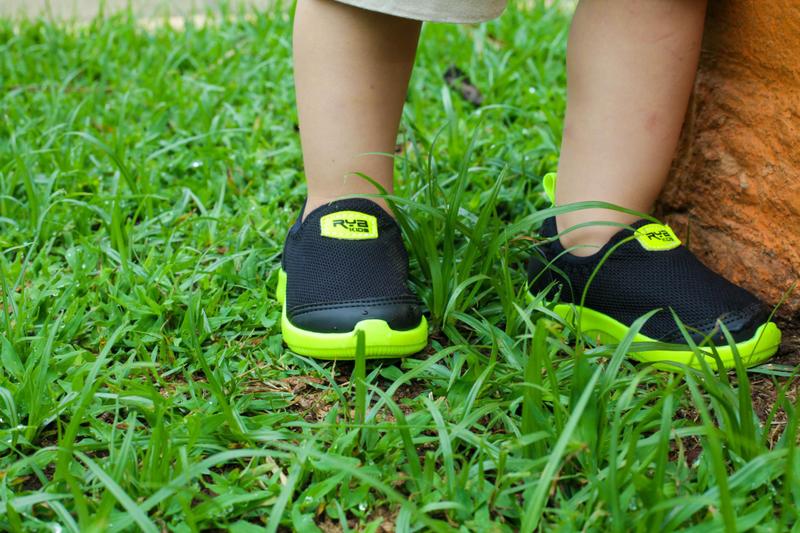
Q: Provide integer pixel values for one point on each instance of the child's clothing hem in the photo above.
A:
(459, 11)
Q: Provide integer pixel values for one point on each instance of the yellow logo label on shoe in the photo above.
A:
(349, 225)
(657, 238)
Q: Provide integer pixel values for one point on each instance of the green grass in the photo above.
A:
(147, 178)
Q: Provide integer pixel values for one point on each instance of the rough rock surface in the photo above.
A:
(735, 184)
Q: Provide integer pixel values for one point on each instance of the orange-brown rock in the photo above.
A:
(735, 184)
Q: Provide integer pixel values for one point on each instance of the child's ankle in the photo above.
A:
(587, 240)
(313, 202)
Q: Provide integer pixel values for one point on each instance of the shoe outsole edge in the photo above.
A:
(761, 346)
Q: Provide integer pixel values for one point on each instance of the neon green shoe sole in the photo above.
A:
(382, 342)
(763, 345)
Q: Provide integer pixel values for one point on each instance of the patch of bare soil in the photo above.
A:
(766, 388)
(789, 353)
(766, 391)
(388, 518)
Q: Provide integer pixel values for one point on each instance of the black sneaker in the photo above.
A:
(650, 269)
(344, 270)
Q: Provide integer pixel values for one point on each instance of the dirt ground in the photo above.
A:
(789, 353)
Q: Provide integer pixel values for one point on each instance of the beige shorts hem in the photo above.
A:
(458, 11)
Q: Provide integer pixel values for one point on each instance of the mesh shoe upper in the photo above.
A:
(336, 277)
(635, 280)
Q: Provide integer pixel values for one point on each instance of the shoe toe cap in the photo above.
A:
(742, 325)
(401, 314)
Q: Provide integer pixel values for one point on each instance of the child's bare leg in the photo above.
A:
(351, 74)
(631, 66)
